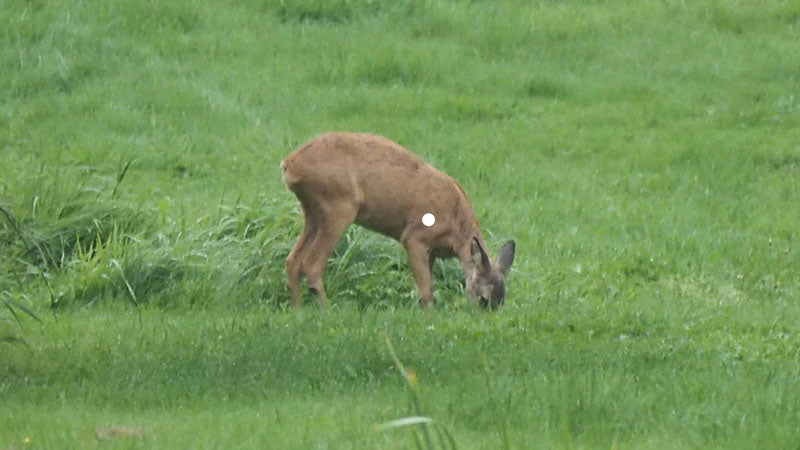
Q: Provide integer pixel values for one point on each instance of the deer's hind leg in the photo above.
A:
(331, 221)
(294, 263)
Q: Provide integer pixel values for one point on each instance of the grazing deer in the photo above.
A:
(341, 178)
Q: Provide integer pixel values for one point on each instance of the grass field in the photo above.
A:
(643, 154)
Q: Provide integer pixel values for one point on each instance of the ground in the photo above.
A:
(643, 154)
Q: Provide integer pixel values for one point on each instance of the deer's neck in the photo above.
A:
(469, 229)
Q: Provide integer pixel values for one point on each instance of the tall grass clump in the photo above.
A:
(67, 218)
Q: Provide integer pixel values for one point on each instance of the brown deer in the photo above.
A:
(341, 178)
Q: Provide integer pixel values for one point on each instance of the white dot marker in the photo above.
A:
(428, 220)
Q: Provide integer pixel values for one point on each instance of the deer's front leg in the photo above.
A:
(419, 257)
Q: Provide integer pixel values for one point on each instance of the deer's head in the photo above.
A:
(487, 282)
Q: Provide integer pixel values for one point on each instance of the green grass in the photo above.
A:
(643, 154)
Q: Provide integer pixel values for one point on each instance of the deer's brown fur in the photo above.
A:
(341, 178)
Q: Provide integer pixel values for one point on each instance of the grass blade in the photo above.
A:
(403, 422)
(120, 177)
(8, 339)
(11, 310)
(10, 304)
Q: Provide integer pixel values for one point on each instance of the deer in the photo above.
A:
(344, 178)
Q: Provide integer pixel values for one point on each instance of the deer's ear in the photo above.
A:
(479, 256)
(505, 257)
